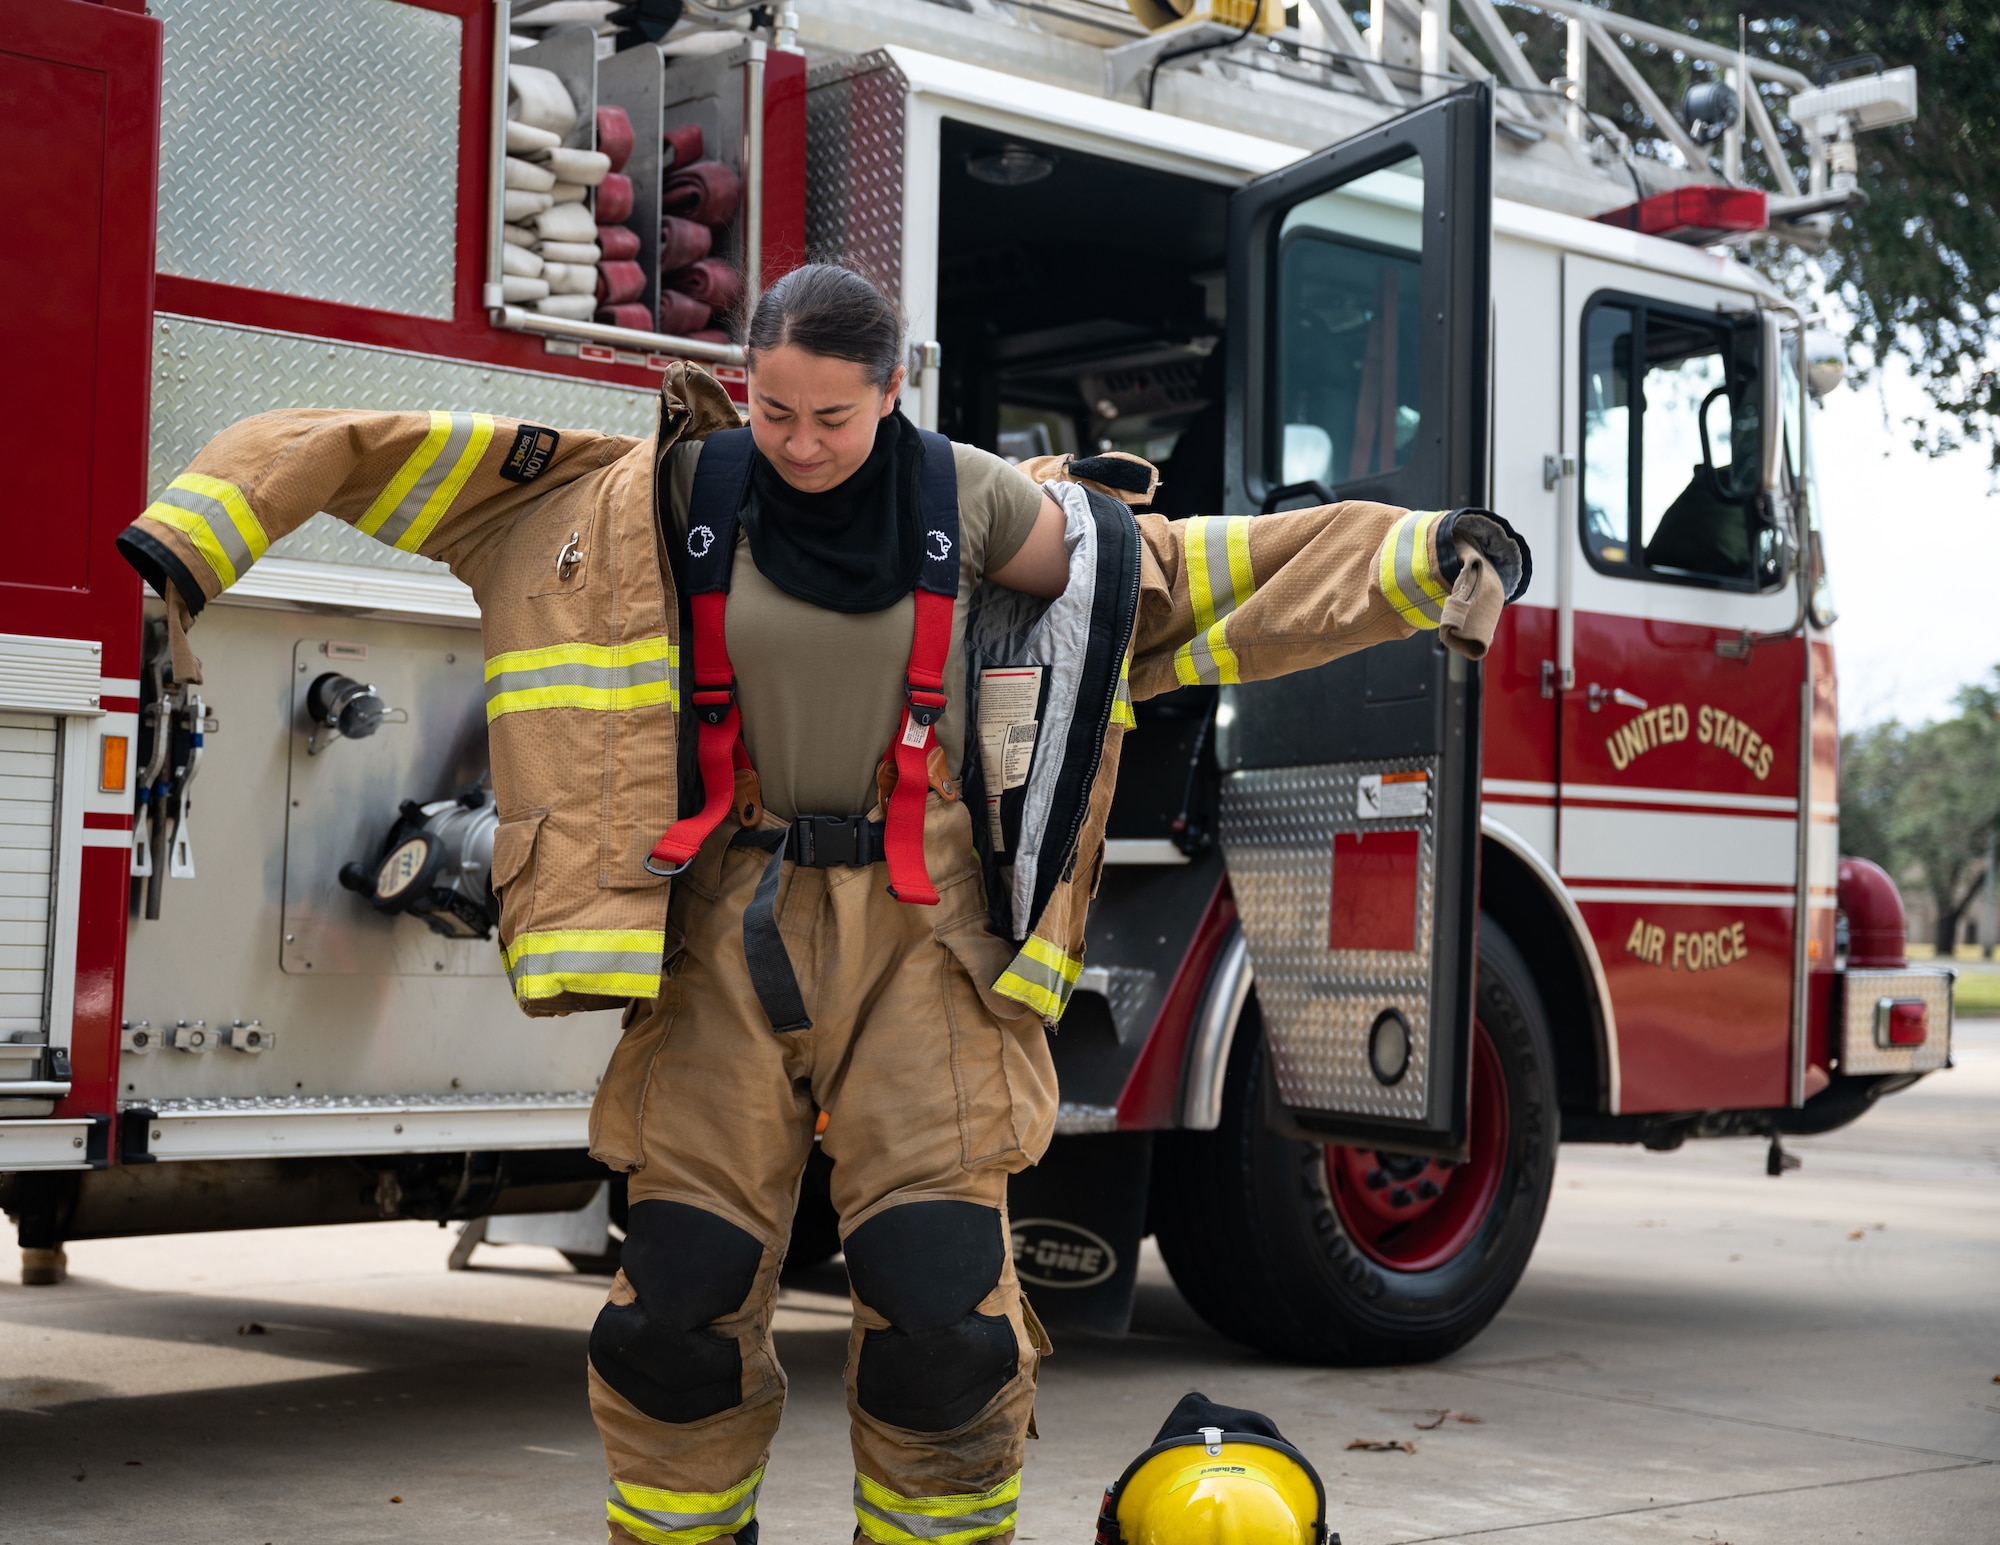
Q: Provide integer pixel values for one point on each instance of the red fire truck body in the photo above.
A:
(1368, 942)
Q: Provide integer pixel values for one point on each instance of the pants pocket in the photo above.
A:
(617, 1114)
(1001, 1069)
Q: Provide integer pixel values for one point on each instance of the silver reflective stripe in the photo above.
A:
(584, 679)
(1415, 530)
(1222, 577)
(928, 1526)
(587, 963)
(1208, 671)
(669, 1521)
(411, 505)
(216, 514)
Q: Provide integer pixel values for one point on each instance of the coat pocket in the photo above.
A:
(513, 872)
(1001, 1069)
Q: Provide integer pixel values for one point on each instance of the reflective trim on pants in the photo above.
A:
(641, 674)
(406, 512)
(217, 519)
(663, 1517)
(1217, 552)
(890, 1518)
(1406, 573)
(1041, 976)
(609, 962)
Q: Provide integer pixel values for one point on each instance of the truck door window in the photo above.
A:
(1349, 345)
(1669, 475)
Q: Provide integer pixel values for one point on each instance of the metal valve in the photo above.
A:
(248, 1035)
(190, 1035)
(345, 709)
(137, 1037)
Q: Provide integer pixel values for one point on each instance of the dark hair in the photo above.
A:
(830, 311)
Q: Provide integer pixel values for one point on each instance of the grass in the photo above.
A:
(1977, 992)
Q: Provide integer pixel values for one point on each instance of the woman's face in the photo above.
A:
(814, 417)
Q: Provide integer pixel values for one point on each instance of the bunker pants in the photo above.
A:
(934, 1092)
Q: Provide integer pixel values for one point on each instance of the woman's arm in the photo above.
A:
(1041, 567)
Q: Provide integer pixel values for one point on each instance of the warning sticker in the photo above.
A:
(1008, 704)
(1400, 795)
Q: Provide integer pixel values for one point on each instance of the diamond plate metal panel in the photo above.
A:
(1278, 826)
(207, 375)
(310, 147)
(855, 112)
(1859, 1052)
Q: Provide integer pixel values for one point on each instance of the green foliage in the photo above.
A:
(1918, 270)
(1924, 801)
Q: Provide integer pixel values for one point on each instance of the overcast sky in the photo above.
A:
(1911, 549)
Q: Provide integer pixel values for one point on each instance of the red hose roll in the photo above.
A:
(618, 244)
(711, 281)
(682, 243)
(684, 141)
(708, 191)
(681, 314)
(636, 317)
(614, 199)
(614, 135)
(618, 283)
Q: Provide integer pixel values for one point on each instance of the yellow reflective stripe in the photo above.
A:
(599, 677)
(662, 1517)
(1041, 976)
(1404, 572)
(217, 519)
(408, 510)
(1217, 550)
(890, 1518)
(1195, 544)
(1121, 702)
(610, 962)
(1236, 531)
(1206, 659)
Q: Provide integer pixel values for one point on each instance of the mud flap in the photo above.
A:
(1078, 1219)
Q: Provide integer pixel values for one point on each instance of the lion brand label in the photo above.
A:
(1051, 1253)
(534, 447)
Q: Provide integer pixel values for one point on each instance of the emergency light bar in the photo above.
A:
(1699, 214)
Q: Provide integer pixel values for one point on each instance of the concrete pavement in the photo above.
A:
(1698, 1353)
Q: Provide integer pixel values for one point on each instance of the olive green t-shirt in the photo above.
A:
(822, 691)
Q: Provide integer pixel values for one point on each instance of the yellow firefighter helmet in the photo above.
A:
(1216, 1475)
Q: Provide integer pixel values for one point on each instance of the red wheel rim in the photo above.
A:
(1414, 1214)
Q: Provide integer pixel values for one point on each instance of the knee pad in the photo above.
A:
(924, 1267)
(688, 1268)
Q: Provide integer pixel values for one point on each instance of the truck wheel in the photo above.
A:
(1339, 1255)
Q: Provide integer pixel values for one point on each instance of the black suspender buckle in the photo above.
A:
(712, 704)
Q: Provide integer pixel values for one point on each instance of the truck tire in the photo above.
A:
(1324, 1254)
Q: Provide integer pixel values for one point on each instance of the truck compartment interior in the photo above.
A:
(1081, 307)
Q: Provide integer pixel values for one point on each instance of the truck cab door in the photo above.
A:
(1350, 801)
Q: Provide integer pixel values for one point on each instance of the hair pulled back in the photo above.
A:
(833, 312)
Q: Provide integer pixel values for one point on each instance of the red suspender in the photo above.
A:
(903, 839)
(719, 736)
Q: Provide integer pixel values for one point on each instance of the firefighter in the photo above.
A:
(803, 736)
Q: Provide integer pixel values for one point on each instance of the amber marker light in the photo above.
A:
(111, 759)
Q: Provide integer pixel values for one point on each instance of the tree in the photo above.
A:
(1926, 800)
(1918, 270)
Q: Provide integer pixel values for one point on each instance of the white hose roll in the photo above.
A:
(569, 193)
(517, 204)
(539, 98)
(518, 288)
(565, 222)
(570, 278)
(589, 167)
(528, 177)
(519, 235)
(520, 262)
(571, 308)
(525, 137)
(572, 252)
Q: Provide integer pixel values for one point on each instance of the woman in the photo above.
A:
(852, 894)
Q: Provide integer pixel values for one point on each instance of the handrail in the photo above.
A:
(518, 320)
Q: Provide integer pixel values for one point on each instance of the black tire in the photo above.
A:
(1247, 1223)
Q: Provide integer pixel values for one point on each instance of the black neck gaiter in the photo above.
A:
(853, 548)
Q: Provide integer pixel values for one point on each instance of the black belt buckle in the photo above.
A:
(825, 840)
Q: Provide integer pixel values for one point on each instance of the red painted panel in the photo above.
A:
(79, 169)
(1374, 905)
(784, 164)
(1151, 1097)
(1518, 735)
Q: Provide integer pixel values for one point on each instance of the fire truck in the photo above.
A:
(1368, 942)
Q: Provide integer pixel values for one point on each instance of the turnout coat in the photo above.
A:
(561, 537)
